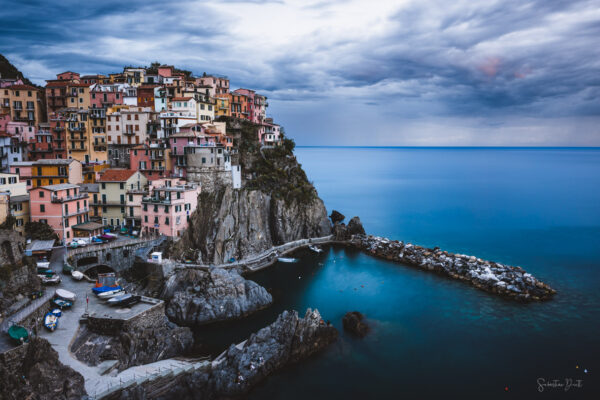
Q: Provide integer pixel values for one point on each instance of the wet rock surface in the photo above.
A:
(505, 280)
(133, 346)
(343, 232)
(353, 322)
(197, 297)
(289, 339)
(40, 375)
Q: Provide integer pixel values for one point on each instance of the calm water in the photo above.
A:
(433, 337)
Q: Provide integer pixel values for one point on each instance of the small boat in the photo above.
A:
(50, 321)
(18, 334)
(61, 303)
(314, 248)
(67, 268)
(65, 294)
(124, 300)
(57, 312)
(106, 283)
(111, 293)
(77, 275)
(287, 259)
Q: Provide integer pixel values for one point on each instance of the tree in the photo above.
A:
(39, 231)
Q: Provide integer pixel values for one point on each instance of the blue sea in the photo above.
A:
(433, 337)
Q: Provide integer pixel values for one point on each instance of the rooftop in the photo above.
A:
(41, 245)
(54, 161)
(116, 175)
(60, 186)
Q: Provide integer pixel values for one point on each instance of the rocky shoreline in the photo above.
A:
(504, 280)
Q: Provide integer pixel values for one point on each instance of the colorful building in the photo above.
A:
(61, 206)
(115, 187)
(154, 160)
(168, 208)
(52, 172)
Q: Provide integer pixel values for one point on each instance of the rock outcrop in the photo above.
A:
(236, 224)
(353, 322)
(337, 217)
(197, 297)
(505, 280)
(39, 375)
(343, 232)
(289, 339)
(133, 346)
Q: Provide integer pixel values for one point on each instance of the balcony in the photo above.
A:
(157, 157)
(58, 129)
(78, 139)
(84, 148)
(154, 200)
(109, 203)
(128, 133)
(78, 212)
(77, 129)
(56, 199)
(99, 147)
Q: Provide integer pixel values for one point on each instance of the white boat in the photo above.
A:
(287, 259)
(77, 275)
(111, 293)
(314, 248)
(65, 294)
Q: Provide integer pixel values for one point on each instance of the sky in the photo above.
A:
(349, 72)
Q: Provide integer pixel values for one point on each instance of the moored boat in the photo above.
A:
(77, 275)
(57, 312)
(287, 259)
(18, 334)
(124, 300)
(314, 248)
(61, 303)
(106, 283)
(50, 321)
(65, 294)
(111, 293)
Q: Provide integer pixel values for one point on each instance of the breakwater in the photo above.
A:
(508, 281)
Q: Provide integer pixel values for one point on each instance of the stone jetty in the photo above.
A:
(508, 281)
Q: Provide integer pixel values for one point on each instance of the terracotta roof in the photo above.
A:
(116, 175)
(148, 86)
(57, 83)
(80, 84)
(22, 87)
(181, 98)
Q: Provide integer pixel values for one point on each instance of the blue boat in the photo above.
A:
(57, 312)
(61, 303)
(50, 321)
(102, 289)
(106, 282)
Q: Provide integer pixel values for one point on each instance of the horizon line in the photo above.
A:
(456, 147)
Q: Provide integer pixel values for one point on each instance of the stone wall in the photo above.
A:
(210, 179)
(12, 246)
(118, 155)
(153, 316)
(118, 258)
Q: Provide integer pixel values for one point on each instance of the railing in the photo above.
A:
(80, 211)
(56, 199)
(99, 148)
(109, 245)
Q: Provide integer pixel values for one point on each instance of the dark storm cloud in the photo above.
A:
(401, 59)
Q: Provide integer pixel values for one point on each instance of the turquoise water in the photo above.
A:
(433, 337)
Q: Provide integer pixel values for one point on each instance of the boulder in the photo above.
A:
(336, 217)
(353, 322)
(355, 227)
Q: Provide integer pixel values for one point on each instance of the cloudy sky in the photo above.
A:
(350, 72)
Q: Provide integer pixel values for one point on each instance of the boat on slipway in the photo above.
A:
(50, 321)
(106, 283)
(111, 293)
(314, 248)
(287, 259)
(18, 334)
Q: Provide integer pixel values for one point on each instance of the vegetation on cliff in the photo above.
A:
(9, 71)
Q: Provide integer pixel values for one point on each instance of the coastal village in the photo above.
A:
(126, 152)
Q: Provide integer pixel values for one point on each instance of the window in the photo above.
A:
(145, 207)
(166, 209)
(103, 186)
(155, 208)
(121, 185)
(66, 222)
(41, 194)
(42, 208)
(166, 220)
(146, 218)
(156, 220)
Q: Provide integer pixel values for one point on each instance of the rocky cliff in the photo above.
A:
(38, 375)
(134, 345)
(196, 297)
(277, 204)
(289, 339)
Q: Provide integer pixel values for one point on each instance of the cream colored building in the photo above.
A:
(115, 187)
(14, 199)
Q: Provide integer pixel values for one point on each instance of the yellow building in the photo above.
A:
(115, 187)
(23, 103)
(86, 142)
(92, 172)
(52, 172)
(134, 76)
(222, 107)
(14, 199)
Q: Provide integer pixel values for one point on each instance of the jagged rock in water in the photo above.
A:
(289, 339)
(40, 375)
(133, 346)
(197, 297)
(353, 322)
(336, 217)
(241, 223)
(343, 232)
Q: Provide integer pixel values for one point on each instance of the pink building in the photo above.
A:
(104, 96)
(153, 160)
(168, 208)
(4, 120)
(62, 206)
